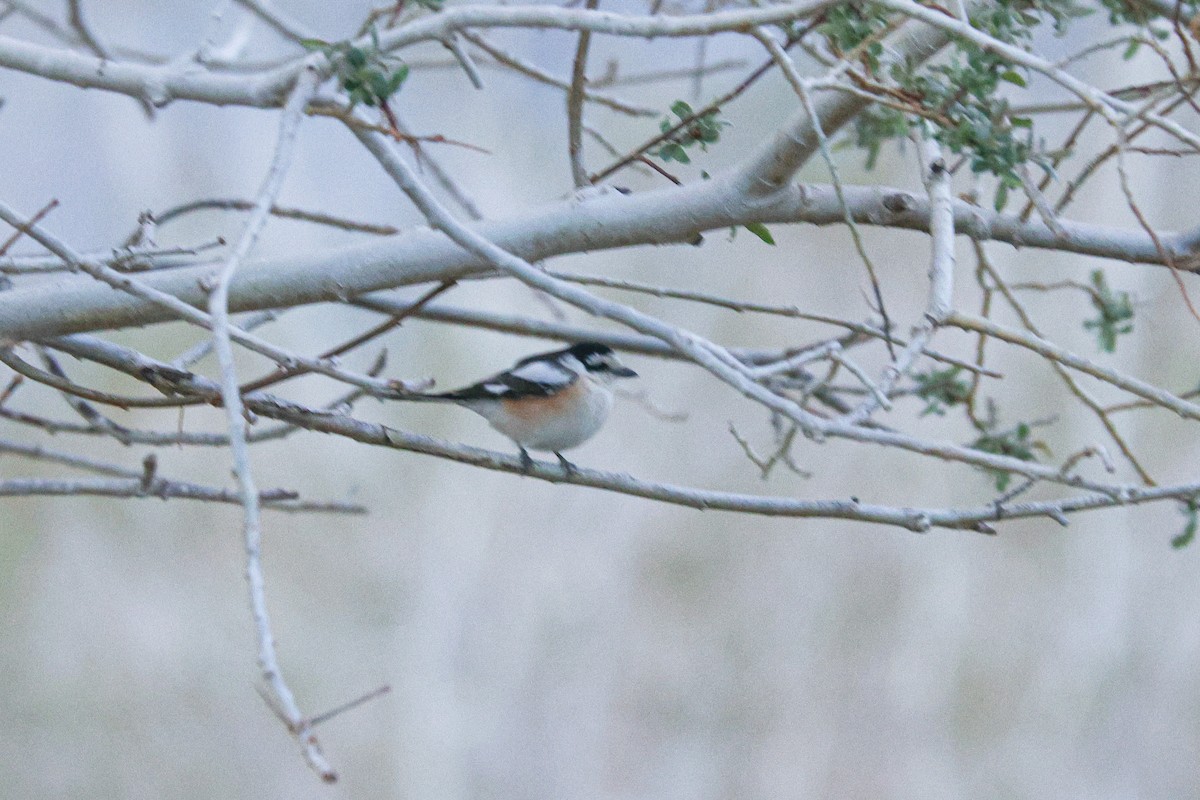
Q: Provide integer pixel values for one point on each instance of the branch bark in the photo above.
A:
(667, 216)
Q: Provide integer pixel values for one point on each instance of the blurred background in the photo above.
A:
(557, 642)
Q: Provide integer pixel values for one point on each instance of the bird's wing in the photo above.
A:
(527, 379)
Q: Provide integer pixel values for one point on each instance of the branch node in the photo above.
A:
(149, 470)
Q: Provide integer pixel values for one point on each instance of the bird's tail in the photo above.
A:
(419, 397)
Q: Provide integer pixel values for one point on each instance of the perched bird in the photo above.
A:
(550, 401)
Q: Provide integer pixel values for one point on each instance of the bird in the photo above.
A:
(548, 402)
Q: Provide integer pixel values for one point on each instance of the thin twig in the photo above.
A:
(536, 73)
(781, 58)
(24, 228)
(575, 105)
(75, 17)
(272, 499)
(1058, 365)
(315, 217)
(715, 105)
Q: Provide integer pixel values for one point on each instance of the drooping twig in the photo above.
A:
(75, 17)
(279, 692)
(780, 57)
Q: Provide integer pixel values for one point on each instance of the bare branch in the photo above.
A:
(575, 105)
(273, 499)
(1047, 349)
(666, 216)
(541, 76)
(218, 306)
(915, 519)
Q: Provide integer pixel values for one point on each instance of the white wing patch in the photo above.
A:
(542, 373)
(495, 388)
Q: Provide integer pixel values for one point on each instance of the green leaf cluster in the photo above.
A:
(367, 74)
(873, 127)
(960, 95)
(941, 389)
(1116, 313)
(848, 25)
(703, 130)
(970, 117)
(1014, 442)
(1191, 510)
(1130, 12)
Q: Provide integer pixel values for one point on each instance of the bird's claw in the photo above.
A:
(567, 466)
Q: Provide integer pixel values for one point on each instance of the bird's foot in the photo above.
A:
(526, 461)
(567, 466)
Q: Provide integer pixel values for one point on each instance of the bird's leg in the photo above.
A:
(526, 460)
(567, 466)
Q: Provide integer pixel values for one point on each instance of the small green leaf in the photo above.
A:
(315, 44)
(1185, 538)
(1116, 313)
(1001, 196)
(760, 230)
(703, 130)
(681, 109)
(381, 85)
(1014, 77)
(671, 151)
(1014, 443)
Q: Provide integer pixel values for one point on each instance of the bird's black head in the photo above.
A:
(600, 359)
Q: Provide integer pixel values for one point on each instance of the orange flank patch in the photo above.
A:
(532, 408)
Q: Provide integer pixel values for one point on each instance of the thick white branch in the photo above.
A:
(160, 84)
(157, 84)
(667, 216)
(439, 26)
